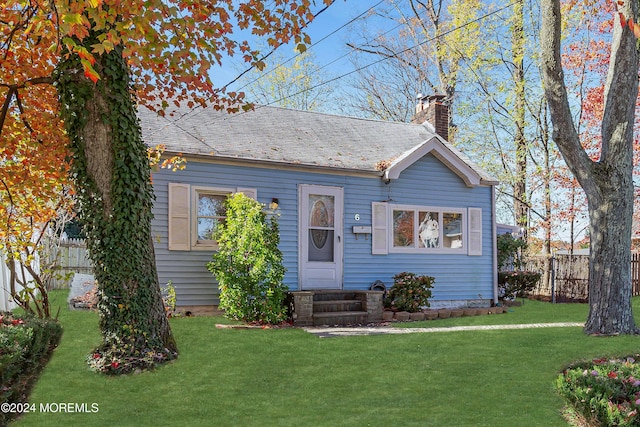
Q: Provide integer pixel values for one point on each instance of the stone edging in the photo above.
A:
(442, 313)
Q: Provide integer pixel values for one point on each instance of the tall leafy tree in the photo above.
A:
(296, 83)
(606, 180)
(34, 191)
(502, 114)
(112, 172)
(424, 56)
(518, 41)
(105, 57)
(33, 170)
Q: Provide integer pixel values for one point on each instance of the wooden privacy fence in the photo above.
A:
(566, 277)
(635, 273)
(72, 257)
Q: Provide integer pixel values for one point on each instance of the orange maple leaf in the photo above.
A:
(84, 54)
(91, 74)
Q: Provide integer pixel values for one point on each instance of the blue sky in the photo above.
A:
(331, 50)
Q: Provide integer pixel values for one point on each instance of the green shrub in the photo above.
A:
(169, 297)
(517, 283)
(604, 392)
(248, 264)
(409, 292)
(25, 347)
(511, 252)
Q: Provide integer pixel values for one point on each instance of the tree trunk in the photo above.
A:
(521, 204)
(548, 261)
(115, 195)
(607, 182)
(611, 212)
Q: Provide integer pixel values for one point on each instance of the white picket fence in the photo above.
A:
(6, 302)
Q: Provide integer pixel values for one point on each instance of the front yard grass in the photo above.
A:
(287, 377)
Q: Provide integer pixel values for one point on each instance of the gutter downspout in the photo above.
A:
(495, 244)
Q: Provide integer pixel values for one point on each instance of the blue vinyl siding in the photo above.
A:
(427, 182)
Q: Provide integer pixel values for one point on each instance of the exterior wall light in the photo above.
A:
(274, 204)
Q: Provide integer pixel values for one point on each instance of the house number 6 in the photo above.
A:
(357, 217)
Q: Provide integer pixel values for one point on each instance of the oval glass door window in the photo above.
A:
(321, 212)
(319, 218)
(319, 238)
(321, 228)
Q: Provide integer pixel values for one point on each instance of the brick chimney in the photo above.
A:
(432, 109)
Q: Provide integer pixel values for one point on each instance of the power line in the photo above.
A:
(253, 66)
(309, 48)
(393, 54)
(275, 48)
(481, 18)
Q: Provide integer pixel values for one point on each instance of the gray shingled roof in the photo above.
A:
(275, 134)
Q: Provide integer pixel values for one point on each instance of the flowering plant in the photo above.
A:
(604, 391)
(15, 337)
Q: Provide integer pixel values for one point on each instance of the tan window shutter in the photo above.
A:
(475, 231)
(179, 217)
(379, 231)
(252, 193)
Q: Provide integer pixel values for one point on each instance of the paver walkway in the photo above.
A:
(325, 331)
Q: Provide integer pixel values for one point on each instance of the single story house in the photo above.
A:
(357, 200)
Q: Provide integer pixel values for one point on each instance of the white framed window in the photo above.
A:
(426, 229)
(194, 213)
(209, 211)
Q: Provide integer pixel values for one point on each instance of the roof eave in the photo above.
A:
(275, 164)
(435, 147)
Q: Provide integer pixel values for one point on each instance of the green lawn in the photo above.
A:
(282, 377)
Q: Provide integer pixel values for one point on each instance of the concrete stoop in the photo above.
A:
(336, 307)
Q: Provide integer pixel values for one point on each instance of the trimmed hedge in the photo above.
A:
(26, 343)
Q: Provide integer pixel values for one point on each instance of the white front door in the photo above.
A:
(320, 237)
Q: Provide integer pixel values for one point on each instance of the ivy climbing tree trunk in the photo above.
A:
(607, 182)
(112, 175)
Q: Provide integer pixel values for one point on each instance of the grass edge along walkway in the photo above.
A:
(328, 331)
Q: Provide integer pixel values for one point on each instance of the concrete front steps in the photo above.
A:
(336, 307)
